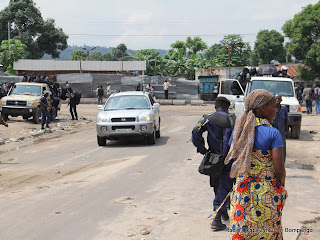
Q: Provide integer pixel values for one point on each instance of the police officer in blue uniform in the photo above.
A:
(45, 109)
(219, 126)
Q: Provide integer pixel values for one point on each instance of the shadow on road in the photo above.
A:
(137, 142)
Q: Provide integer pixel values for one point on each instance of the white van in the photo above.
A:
(275, 85)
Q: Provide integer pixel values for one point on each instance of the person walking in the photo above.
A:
(280, 122)
(73, 105)
(100, 95)
(108, 89)
(166, 86)
(45, 110)
(215, 91)
(316, 98)
(308, 93)
(219, 128)
(257, 151)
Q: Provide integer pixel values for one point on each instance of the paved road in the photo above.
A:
(69, 188)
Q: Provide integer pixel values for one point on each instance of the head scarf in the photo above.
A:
(244, 132)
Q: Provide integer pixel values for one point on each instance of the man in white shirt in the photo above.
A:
(108, 90)
(166, 86)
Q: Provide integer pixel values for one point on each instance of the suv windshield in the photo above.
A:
(27, 90)
(127, 102)
(275, 87)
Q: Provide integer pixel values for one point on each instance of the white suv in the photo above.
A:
(275, 85)
(128, 114)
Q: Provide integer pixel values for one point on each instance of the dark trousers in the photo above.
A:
(100, 99)
(309, 105)
(73, 109)
(222, 186)
(166, 94)
(46, 117)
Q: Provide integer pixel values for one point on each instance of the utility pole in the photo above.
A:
(9, 40)
(80, 61)
(122, 64)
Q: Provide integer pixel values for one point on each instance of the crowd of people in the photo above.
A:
(309, 94)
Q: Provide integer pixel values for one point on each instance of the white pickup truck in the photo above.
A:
(275, 85)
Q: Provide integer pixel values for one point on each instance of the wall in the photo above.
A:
(87, 84)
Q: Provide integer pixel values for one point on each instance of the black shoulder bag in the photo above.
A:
(212, 163)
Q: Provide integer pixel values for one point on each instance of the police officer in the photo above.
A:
(72, 103)
(219, 127)
(25, 77)
(284, 72)
(45, 109)
(243, 78)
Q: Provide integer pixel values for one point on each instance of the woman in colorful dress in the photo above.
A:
(257, 149)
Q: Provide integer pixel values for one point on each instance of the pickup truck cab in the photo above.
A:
(24, 100)
(275, 85)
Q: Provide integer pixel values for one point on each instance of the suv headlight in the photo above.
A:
(3, 102)
(294, 108)
(145, 118)
(103, 119)
(30, 103)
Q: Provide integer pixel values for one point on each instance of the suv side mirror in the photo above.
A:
(100, 107)
(156, 106)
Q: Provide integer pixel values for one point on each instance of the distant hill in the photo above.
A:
(66, 54)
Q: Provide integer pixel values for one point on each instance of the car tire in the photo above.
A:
(152, 138)
(4, 116)
(295, 132)
(36, 116)
(102, 141)
(158, 132)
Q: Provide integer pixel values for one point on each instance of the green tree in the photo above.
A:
(152, 58)
(180, 45)
(27, 25)
(11, 51)
(107, 56)
(96, 56)
(240, 52)
(119, 52)
(269, 46)
(195, 45)
(213, 51)
(304, 38)
(77, 54)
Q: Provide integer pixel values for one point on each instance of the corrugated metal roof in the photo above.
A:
(52, 65)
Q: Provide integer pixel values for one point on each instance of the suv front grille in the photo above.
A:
(129, 119)
(123, 127)
(16, 103)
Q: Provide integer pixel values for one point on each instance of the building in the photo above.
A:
(53, 67)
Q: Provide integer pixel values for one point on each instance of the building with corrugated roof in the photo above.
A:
(54, 67)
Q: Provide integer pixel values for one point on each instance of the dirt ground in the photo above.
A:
(302, 154)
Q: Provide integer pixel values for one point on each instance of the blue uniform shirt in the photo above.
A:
(44, 101)
(280, 121)
(214, 137)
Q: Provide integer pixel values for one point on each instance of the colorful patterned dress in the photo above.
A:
(258, 198)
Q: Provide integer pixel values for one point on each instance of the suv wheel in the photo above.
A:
(152, 138)
(295, 132)
(158, 132)
(36, 116)
(102, 141)
(4, 116)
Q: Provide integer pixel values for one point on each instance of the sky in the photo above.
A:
(156, 24)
